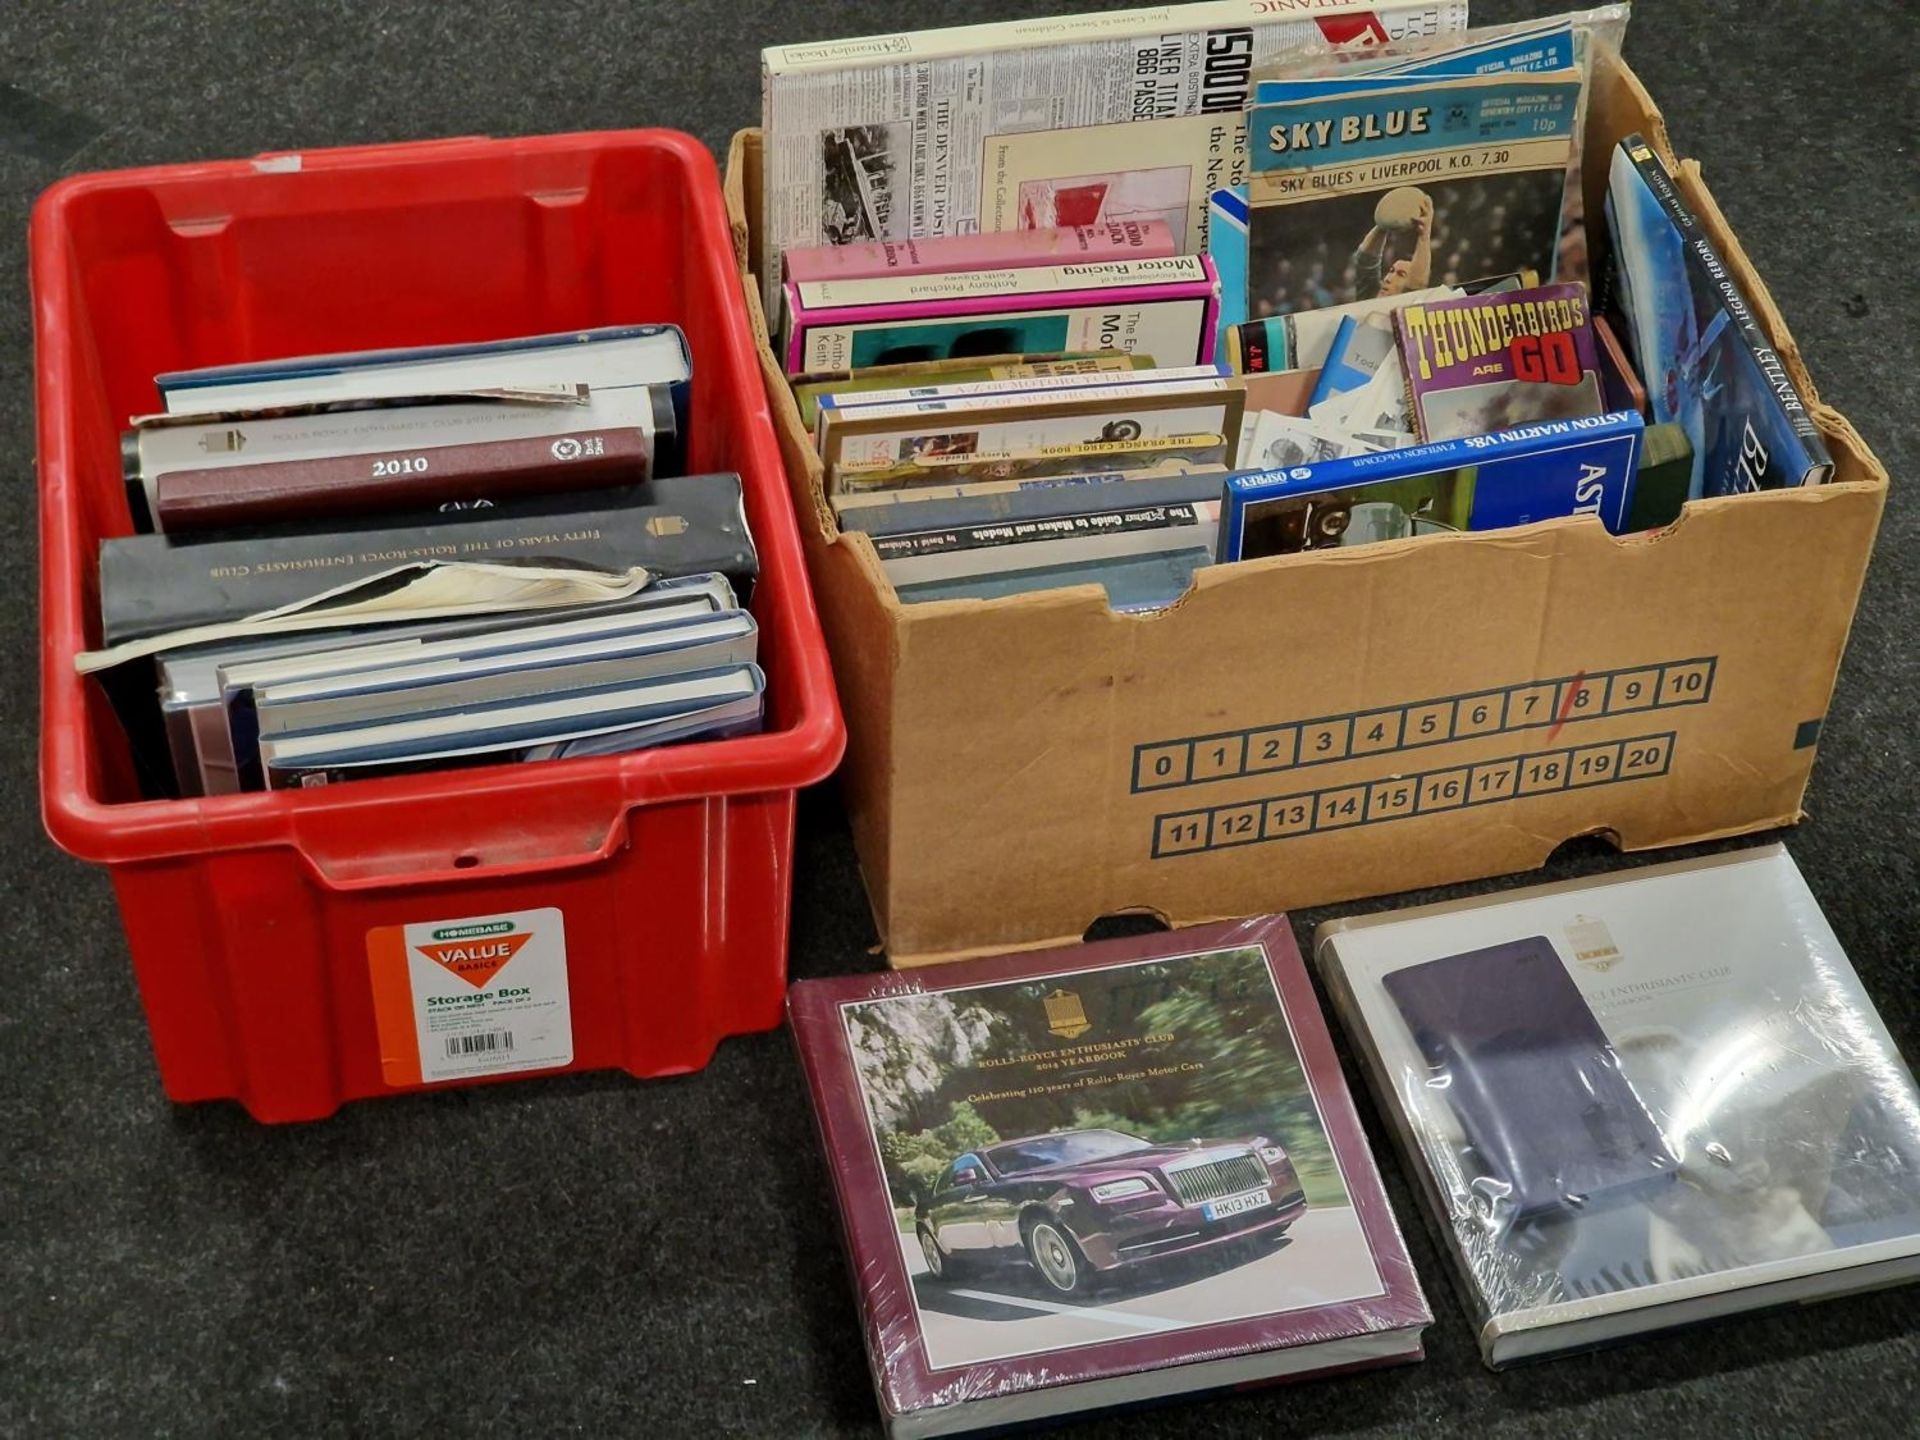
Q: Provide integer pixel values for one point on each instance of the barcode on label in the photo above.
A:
(487, 1042)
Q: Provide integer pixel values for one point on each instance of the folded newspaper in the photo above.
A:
(985, 128)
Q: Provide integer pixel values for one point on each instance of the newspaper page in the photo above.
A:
(897, 137)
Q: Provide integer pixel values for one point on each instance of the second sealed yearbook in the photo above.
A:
(1639, 1101)
(1098, 1176)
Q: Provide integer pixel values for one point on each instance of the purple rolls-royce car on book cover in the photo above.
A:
(1100, 1175)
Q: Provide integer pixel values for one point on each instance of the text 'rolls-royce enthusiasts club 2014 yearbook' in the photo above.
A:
(1639, 1101)
(1099, 1176)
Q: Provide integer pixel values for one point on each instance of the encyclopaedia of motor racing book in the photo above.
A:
(1100, 1175)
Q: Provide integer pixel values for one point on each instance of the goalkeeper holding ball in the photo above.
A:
(1402, 216)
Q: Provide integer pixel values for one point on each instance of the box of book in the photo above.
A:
(1331, 720)
(1637, 1102)
(1098, 1176)
(300, 947)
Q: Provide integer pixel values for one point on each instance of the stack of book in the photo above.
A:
(978, 473)
(362, 564)
(1372, 219)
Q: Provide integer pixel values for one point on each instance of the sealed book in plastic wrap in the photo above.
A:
(1639, 1101)
(1101, 1175)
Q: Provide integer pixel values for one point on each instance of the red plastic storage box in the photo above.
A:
(249, 916)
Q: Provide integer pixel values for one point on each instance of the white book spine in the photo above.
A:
(1031, 384)
(1089, 395)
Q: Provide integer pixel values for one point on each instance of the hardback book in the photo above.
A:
(537, 664)
(604, 720)
(160, 445)
(194, 694)
(1148, 239)
(844, 406)
(1705, 358)
(339, 689)
(1490, 362)
(154, 585)
(1015, 503)
(1005, 437)
(1134, 584)
(1637, 1102)
(615, 355)
(1100, 1175)
(289, 491)
(1478, 482)
(1086, 537)
(811, 388)
(1165, 307)
(1081, 119)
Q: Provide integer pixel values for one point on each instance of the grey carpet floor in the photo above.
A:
(593, 1255)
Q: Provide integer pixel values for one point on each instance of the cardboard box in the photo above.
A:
(1317, 727)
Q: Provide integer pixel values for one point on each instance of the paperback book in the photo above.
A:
(1489, 362)
(1376, 192)
(1100, 1175)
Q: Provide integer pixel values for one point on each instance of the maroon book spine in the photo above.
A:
(283, 491)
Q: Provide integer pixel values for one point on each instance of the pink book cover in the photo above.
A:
(1026, 320)
(1074, 1166)
(1067, 245)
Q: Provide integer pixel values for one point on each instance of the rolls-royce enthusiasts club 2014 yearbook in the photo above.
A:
(1098, 1176)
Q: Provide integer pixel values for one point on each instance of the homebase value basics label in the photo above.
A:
(484, 995)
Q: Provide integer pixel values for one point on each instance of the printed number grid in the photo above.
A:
(1530, 705)
(1341, 807)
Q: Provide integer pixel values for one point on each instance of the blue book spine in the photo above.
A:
(1479, 482)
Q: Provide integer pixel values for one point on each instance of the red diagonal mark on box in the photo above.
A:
(1578, 684)
(476, 961)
